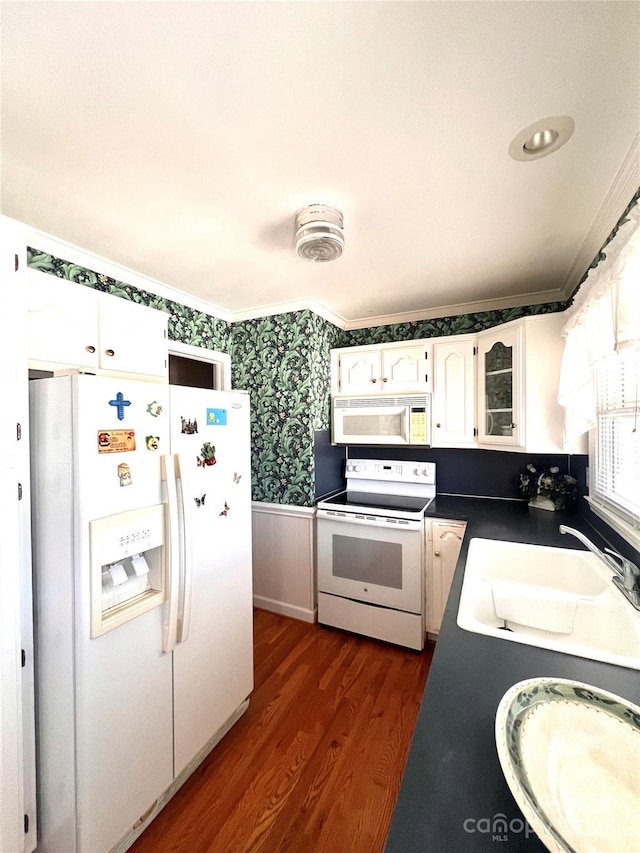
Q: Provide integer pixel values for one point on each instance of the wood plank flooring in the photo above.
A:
(315, 763)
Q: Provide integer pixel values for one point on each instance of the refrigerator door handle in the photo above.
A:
(186, 550)
(172, 550)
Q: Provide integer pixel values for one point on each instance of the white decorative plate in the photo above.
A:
(570, 753)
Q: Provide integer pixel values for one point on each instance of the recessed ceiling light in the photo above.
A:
(541, 138)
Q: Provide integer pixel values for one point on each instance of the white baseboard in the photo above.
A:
(284, 609)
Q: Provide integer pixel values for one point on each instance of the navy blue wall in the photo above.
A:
(329, 464)
(481, 473)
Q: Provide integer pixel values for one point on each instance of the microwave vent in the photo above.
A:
(376, 402)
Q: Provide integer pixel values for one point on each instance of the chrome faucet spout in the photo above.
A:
(606, 559)
(627, 574)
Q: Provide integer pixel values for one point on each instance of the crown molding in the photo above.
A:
(69, 252)
(289, 306)
(620, 193)
(497, 304)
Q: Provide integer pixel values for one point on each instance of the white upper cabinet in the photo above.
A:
(70, 325)
(454, 385)
(500, 382)
(518, 375)
(385, 369)
(62, 323)
(133, 339)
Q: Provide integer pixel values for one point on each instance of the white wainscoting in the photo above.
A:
(284, 562)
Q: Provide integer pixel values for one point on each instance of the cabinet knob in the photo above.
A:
(436, 553)
(90, 348)
(384, 378)
(110, 352)
(438, 425)
(374, 380)
(513, 426)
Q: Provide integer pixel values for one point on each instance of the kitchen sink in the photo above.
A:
(555, 598)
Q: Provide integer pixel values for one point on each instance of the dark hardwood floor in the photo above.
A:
(315, 763)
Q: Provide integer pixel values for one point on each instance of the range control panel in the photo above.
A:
(391, 471)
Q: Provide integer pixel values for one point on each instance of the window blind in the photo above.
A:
(616, 467)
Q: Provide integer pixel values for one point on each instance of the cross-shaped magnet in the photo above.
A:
(120, 403)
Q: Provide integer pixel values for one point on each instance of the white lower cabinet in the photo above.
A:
(443, 543)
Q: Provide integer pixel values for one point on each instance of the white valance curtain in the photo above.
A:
(604, 319)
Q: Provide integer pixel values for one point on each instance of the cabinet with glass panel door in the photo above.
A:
(500, 386)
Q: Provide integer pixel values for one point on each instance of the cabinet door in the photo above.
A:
(454, 394)
(62, 322)
(132, 337)
(404, 369)
(445, 543)
(359, 372)
(500, 387)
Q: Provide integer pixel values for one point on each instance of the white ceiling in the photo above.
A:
(179, 138)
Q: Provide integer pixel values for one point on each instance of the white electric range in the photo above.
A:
(371, 546)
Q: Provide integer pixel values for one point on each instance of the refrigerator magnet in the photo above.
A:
(226, 509)
(152, 442)
(200, 501)
(189, 427)
(124, 474)
(236, 477)
(207, 455)
(120, 404)
(154, 409)
(116, 440)
(216, 417)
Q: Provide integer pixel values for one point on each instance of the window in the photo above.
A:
(600, 378)
(615, 444)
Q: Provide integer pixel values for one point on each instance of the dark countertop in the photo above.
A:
(453, 773)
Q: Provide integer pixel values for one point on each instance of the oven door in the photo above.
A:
(371, 559)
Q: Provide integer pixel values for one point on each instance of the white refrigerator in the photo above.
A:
(143, 600)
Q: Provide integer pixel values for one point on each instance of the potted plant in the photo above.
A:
(547, 488)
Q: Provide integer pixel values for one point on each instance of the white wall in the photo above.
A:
(284, 560)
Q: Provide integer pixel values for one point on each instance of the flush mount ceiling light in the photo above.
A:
(319, 233)
(541, 138)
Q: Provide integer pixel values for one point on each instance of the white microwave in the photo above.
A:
(402, 419)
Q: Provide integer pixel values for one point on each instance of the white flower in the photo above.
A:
(531, 468)
(554, 469)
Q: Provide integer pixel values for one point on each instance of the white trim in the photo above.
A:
(497, 304)
(220, 360)
(628, 533)
(290, 306)
(618, 197)
(621, 190)
(67, 251)
(283, 509)
(290, 610)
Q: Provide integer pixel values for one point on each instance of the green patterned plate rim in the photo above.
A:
(517, 703)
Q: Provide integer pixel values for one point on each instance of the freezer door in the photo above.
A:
(213, 662)
(105, 727)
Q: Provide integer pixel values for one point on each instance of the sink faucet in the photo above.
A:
(627, 574)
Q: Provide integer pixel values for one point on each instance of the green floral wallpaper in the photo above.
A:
(284, 361)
